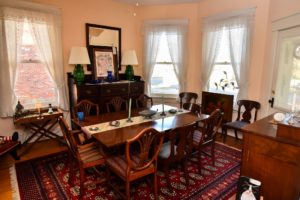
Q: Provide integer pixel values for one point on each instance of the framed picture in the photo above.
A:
(103, 60)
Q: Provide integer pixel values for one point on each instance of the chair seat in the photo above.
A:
(166, 150)
(119, 164)
(236, 124)
(8, 146)
(91, 153)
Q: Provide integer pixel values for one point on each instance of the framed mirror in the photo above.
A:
(106, 37)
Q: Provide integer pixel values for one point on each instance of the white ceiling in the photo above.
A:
(156, 2)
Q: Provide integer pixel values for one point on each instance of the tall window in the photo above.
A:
(164, 63)
(33, 81)
(163, 79)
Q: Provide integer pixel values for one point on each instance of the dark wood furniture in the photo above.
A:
(177, 149)
(211, 101)
(142, 101)
(116, 104)
(87, 107)
(103, 92)
(244, 117)
(39, 125)
(85, 156)
(206, 135)
(187, 97)
(140, 159)
(193, 107)
(11, 148)
(272, 158)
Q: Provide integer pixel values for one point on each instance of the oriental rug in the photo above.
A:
(47, 178)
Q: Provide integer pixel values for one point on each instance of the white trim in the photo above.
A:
(14, 183)
(286, 22)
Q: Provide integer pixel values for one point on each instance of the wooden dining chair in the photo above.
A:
(117, 103)
(187, 97)
(137, 162)
(177, 149)
(243, 117)
(142, 101)
(87, 107)
(85, 156)
(206, 135)
(193, 107)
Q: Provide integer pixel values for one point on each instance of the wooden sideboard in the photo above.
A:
(272, 159)
(103, 92)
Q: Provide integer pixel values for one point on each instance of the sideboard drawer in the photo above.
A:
(87, 91)
(114, 89)
(137, 88)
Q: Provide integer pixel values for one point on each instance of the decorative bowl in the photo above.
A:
(147, 113)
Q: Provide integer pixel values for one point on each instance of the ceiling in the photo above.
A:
(156, 2)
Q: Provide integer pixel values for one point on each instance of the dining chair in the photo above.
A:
(206, 135)
(177, 149)
(187, 97)
(87, 107)
(140, 160)
(193, 107)
(117, 103)
(142, 101)
(86, 156)
(243, 118)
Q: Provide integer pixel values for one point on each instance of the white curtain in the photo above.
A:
(46, 27)
(239, 26)
(175, 31)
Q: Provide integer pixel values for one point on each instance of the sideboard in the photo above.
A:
(272, 158)
(103, 92)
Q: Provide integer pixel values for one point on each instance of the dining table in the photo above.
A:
(115, 128)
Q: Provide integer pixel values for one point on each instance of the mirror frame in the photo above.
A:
(91, 47)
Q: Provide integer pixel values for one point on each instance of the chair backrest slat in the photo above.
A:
(86, 107)
(248, 106)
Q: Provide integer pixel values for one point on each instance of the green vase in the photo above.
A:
(129, 73)
(78, 74)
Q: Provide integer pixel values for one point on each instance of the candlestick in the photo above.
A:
(163, 107)
(129, 112)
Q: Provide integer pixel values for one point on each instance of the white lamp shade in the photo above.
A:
(79, 55)
(129, 58)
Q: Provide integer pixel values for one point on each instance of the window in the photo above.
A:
(163, 79)
(222, 78)
(33, 81)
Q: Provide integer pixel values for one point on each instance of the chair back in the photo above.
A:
(147, 145)
(70, 140)
(86, 107)
(182, 139)
(187, 97)
(248, 106)
(142, 101)
(193, 107)
(211, 125)
(116, 103)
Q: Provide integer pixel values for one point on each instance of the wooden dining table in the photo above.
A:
(119, 135)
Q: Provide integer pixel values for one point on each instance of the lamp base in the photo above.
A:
(129, 73)
(78, 74)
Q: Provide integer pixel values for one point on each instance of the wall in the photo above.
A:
(75, 13)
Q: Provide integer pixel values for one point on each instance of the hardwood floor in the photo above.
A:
(48, 147)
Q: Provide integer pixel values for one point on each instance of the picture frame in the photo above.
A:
(103, 60)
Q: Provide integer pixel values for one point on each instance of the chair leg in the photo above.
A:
(235, 132)
(155, 185)
(224, 133)
(71, 172)
(127, 190)
(82, 180)
(186, 174)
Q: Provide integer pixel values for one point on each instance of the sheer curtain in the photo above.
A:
(175, 31)
(239, 26)
(46, 27)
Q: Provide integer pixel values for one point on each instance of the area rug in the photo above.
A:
(47, 178)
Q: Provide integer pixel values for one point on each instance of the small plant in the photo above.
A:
(225, 83)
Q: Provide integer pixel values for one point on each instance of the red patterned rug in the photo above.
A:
(47, 178)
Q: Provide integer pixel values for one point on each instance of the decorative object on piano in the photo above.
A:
(19, 111)
(38, 106)
(129, 59)
(248, 189)
(78, 57)
(50, 109)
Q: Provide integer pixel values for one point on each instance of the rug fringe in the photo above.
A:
(14, 183)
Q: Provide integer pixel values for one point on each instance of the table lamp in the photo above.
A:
(129, 59)
(78, 57)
